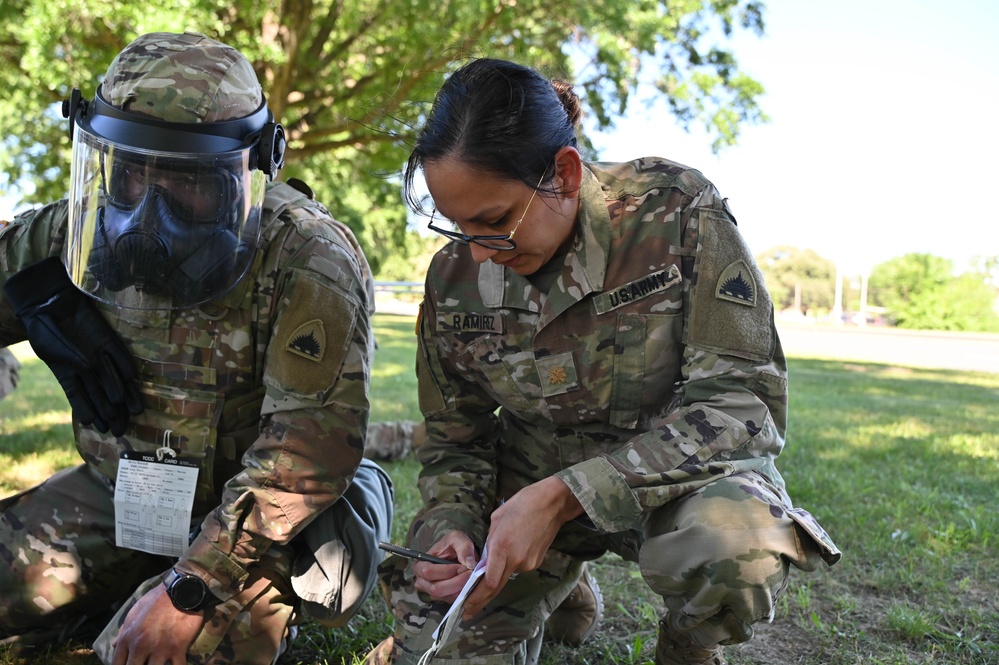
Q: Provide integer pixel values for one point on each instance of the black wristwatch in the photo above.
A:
(187, 592)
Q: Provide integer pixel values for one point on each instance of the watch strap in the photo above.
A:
(171, 580)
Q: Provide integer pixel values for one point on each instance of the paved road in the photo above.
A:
(936, 350)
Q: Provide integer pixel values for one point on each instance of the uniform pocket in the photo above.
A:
(509, 371)
(827, 548)
(182, 419)
(646, 362)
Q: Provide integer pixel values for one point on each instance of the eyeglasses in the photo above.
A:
(500, 242)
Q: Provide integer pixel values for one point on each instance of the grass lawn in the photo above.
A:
(900, 465)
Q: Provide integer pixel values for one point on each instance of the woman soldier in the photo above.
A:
(598, 371)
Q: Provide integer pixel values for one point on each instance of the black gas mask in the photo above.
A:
(169, 231)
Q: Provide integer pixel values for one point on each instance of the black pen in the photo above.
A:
(412, 554)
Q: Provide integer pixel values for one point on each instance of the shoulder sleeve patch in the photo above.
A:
(730, 310)
(310, 340)
(737, 284)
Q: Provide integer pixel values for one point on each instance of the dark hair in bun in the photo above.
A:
(500, 117)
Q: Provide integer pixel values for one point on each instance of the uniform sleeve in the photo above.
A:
(29, 238)
(314, 417)
(459, 456)
(728, 414)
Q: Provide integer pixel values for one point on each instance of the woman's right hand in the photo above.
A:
(444, 582)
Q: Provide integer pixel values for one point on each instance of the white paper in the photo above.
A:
(153, 501)
(459, 602)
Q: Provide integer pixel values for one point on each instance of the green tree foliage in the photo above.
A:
(988, 267)
(789, 269)
(920, 292)
(350, 80)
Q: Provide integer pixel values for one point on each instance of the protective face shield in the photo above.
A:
(165, 215)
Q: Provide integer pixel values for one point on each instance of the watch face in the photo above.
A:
(188, 592)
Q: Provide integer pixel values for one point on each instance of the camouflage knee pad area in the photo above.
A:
(9, 372)
(58, 562)
(57, 555)
(720, 558)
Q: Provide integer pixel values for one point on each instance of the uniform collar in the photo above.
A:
(584, 270)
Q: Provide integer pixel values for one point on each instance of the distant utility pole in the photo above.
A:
(837, 310)
(863, 297)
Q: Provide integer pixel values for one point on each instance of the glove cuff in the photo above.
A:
(37, 283)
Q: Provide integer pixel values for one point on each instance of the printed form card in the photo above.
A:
(153, 500)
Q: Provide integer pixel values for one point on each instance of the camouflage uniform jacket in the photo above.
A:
(649, 368)
(265, 387)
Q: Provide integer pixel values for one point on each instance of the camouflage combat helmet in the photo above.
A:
(170, 163)
(182, 78)
(162, 80)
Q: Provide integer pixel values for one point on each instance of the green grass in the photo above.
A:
(900, 465)
(393, 379)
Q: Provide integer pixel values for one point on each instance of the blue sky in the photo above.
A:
(882, 138)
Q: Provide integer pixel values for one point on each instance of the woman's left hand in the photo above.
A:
(520, 533)
(442, 581)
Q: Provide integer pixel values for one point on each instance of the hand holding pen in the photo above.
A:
(413, 554)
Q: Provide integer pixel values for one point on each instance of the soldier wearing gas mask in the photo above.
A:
(211, 330)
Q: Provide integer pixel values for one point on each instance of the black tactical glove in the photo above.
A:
(68, 332)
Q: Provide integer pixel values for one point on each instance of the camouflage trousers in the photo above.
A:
(719, 557)
(59, 562)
